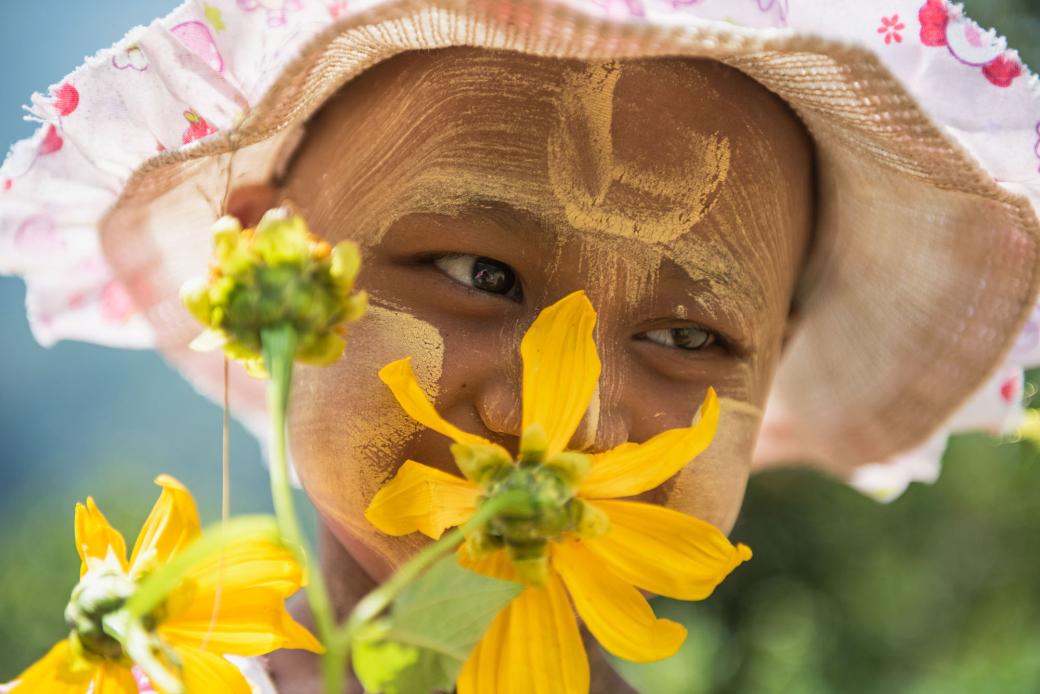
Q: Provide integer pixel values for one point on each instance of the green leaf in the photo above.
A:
(377, 663)
(430, 630)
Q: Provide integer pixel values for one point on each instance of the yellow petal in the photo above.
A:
(561, 369)
(171, 525)
(532, 647)
(485, 666)
(55, 673)
(422, 498)
(206, 672)
(664, 551)
(234, 602)
(495, 565)
(249, 563)
(633, 469)
(112, 678)
(248, 622)
(614, 611)
(400, 378)
(546, 652)
(95, 538)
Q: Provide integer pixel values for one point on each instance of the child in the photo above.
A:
(832, 226)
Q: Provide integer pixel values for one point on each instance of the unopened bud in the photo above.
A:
(279, 274)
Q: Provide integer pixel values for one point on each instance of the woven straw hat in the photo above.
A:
(918, 302)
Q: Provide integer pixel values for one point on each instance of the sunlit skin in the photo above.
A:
(432, 160)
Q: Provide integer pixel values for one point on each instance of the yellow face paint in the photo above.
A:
(347, 433)
(604, 191)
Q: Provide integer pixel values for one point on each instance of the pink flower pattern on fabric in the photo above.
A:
(38, 236)
(66, 99)
(132, 58)
(52, 141)
(276, 10)
(890, 27)
(780, 5)
(198, 127)
(197, 38)
(943, 24)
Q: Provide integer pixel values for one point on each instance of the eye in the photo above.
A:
(691, 339)
(485, 274)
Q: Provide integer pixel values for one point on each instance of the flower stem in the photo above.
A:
(379, 599)
(279, 349)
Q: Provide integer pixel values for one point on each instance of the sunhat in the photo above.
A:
(917, 310)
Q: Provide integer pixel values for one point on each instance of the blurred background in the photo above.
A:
(937, 592)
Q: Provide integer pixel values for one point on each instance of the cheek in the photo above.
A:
(347, 432)
(712, 486)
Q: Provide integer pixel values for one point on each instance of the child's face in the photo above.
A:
(483, 186)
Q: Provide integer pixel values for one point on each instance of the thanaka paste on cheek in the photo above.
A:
(708, 486)
(347, 432)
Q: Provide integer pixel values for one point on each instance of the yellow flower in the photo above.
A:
(276, 274)
(574, 536)
(250, 581)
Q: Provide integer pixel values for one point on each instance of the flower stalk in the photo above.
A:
(278, 347)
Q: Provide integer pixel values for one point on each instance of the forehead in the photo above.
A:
(690, 160)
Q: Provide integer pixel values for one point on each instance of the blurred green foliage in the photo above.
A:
(936, 593)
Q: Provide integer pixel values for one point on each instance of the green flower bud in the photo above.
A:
(548, 510)
(278, 274)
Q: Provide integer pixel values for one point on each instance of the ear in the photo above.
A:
(248, 203)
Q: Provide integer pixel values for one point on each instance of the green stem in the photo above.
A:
(373, 604)
(279, 348)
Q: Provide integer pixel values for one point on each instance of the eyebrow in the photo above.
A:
(509, 216)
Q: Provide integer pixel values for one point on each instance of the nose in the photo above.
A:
(498, 405)
(604, 426)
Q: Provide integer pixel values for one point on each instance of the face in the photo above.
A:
(483, 186)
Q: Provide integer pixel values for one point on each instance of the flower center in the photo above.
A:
(547, 509)
(99, 593)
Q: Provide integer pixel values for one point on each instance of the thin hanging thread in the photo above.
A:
(225, 462)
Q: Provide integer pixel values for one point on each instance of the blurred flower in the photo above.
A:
(276, 274)
(248, 582)
(570, 536)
